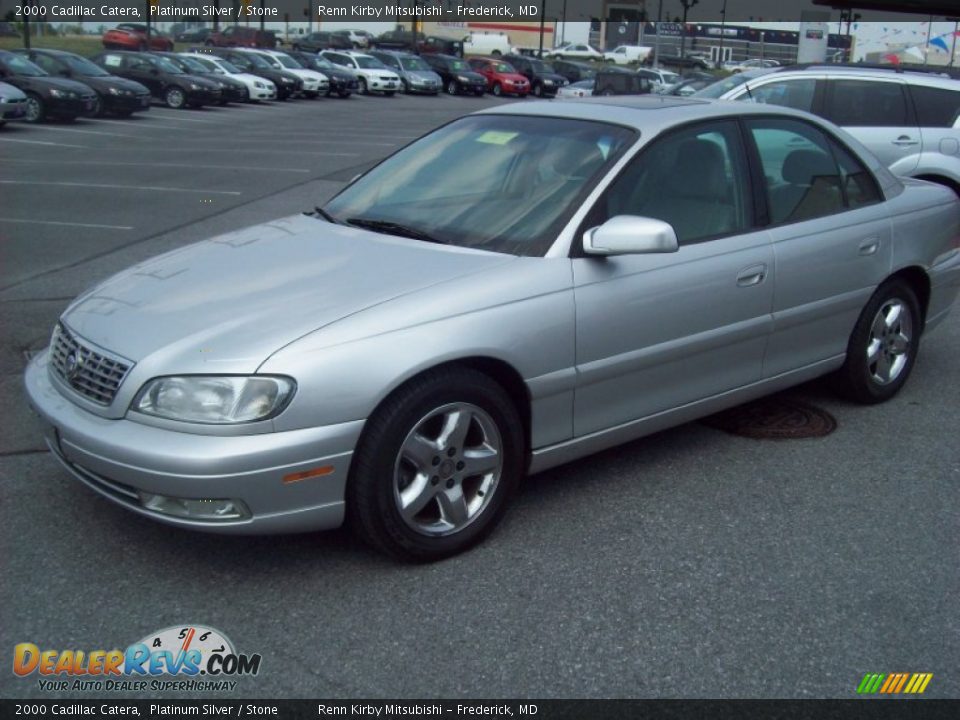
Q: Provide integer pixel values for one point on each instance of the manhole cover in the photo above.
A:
(774, 418)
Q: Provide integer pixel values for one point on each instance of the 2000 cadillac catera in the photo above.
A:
(519, 288)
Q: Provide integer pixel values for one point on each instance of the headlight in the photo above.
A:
(461, 78)
(114, 91)
(548, 82)
(219, 400)
(259, 85)
(195, 86)
(58, 93)
(286, 81)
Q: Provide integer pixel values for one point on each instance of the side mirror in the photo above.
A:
(630, 235)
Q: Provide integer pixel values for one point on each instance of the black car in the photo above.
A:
(544, 82)
(456, 74)
(166, 81)
(317, 41)
(196, 35)
(114, 94)
(47, 96)
(342, 82)
(230, 90)
(407, 41)
(574, 71)
(287, 83)
(614, 81)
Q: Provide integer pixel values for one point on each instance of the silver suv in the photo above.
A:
(910, 120)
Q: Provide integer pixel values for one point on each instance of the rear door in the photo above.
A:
(878, 113)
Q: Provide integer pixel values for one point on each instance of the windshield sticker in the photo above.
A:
(497, 137)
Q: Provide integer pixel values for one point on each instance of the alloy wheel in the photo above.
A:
(888, 348)
(175, 98)
(448, 469)
(452, 87)
(34, 109)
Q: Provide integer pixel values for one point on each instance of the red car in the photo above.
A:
(131, 36)
(501, 77)
(240, 36)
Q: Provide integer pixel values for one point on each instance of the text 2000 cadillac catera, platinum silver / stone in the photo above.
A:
(519, 288)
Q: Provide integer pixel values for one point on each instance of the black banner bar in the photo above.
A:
(860, 709)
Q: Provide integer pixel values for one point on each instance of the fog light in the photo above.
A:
(195, 509)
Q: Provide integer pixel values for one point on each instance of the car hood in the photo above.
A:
(199, 80)
(231, 301)
(423, 74)
(558, 79)
(99, 82)
(44, 81)
(11, 92)
(513, 77)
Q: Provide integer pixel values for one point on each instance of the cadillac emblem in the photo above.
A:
(73, 366)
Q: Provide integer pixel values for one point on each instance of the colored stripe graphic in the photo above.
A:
(894, 683)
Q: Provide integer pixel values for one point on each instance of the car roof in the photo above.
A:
(643, 112)
(913, 76)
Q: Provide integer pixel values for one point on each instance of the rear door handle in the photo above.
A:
(753, 275)
(905, 141)
(869, 246)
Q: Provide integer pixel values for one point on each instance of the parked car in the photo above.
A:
(688, 86)
(576, 51)
(342, 81)
(457, 75)
(574, 71)
(258, 88)
(616, 81)
(13, 103)
(133, 36)
(420, 43)
(627, 54)
(319, 41)
(359, 39)
(502, 78)
(372, 75)
(242, 36)
(737, 66)
(679, 62)
(416, 76)
(660, 79)
(314, 83)
(114, 94)
(911, 121)
(230, 90)
(486, 43)
(166, 81)
(7, 29)
(544, 82)
(287, 83)
(450, 338)
(47, 96)
(194, 35)
(578, 89)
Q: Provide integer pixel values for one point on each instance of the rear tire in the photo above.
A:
(883, 345)
(411, 493)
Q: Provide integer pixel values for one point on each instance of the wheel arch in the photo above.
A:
(918, 280)
(940, 180)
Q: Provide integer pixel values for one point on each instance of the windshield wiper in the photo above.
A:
(392, 228)
(324, 214)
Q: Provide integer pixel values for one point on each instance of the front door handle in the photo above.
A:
(869, 246)
(753, 275)
(905, 141)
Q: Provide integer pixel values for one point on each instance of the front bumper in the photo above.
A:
(71, 106)
(126, 103)
(13, 110)
(204, 96)
(120, 459)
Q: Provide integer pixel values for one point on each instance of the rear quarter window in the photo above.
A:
(936, 107)
(867, 103)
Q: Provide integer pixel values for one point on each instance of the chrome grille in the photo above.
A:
(92, 374)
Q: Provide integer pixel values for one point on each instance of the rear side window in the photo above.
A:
(936, 107)
(867, 103)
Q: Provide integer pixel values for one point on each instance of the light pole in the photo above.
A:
(687, 4)
(723, 21)
(542, 20)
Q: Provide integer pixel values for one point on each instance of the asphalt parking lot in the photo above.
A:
(688, 564)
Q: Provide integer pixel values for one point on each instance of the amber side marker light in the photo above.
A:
(306, 474)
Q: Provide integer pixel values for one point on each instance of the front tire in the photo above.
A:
(175, 98)
(436, 466)
(452, 87)
(36, 109)
(362, 86)
(883, 346)
(497, 89)
(538, 90)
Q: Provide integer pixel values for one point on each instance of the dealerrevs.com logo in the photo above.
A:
(182, 657)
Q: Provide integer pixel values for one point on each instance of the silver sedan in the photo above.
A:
(519, 288)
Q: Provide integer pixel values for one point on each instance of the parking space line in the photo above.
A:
(248, 151)
(165, 116)
(104, 186)
(42, 142)
(86, 132)
(66, 224)
(139, 125)
(149, 164)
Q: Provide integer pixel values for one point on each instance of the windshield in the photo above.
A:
(723, 86)
(193, 65)
(257, 61)
(288, 62)
(21, 66)
(367, 62)
(669, 78)
(459, 65)
(413, 63)
(166, 66)
(541, 67)
(82, 66)
(271, 61)
(502, 67)
(527, 176)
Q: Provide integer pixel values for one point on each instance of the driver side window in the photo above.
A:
(694, 179)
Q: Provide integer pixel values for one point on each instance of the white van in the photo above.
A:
(486, 44)
(626, 54)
